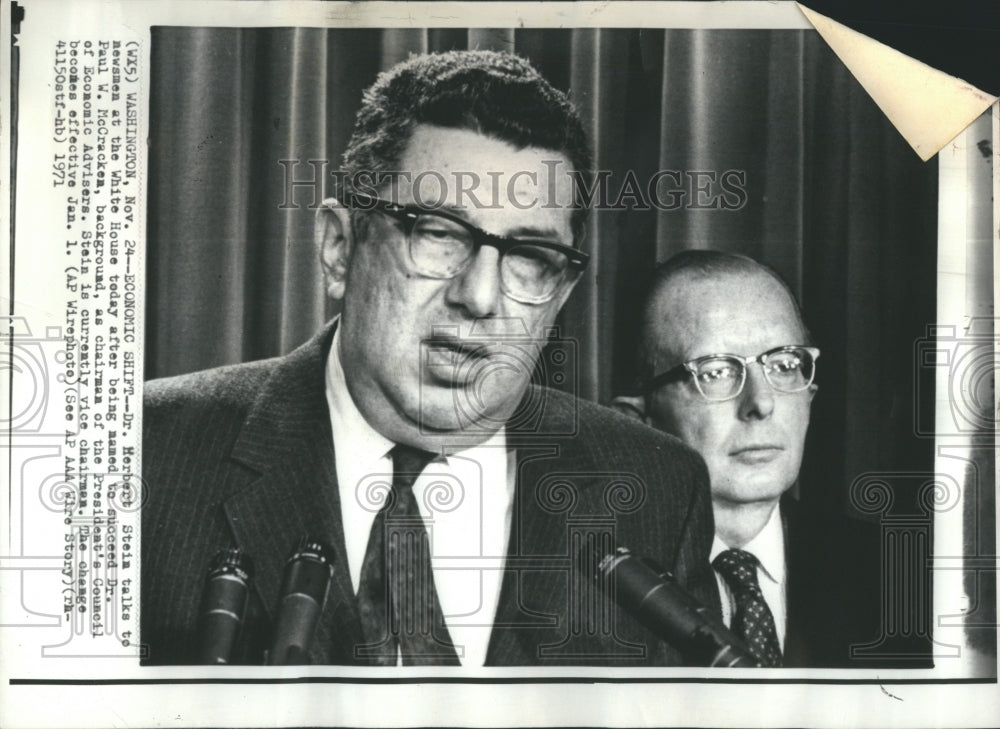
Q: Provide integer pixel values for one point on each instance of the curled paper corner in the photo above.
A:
(927, 106)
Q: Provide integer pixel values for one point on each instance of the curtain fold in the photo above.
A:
(823, 189)
(598, 84)
(295, 128)
(198, 242)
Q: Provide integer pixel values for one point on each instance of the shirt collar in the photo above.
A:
(351, 432)
(768, 547)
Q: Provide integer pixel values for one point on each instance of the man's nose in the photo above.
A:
(477, 288)
(757, 398)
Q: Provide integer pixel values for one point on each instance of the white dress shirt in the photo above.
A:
(769, 548)
(465, 500)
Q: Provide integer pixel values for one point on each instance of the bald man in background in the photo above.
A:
(729, 367)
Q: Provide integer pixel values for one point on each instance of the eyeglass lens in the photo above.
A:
(788, 370)
(442, 248)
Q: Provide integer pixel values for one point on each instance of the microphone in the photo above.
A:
(654, 598)
(303, 594)
(224, 604)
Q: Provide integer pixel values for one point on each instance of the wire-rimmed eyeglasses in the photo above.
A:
(720, 377)
(442, 245)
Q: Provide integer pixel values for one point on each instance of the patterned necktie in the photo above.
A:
(399, 607)
(752, 620)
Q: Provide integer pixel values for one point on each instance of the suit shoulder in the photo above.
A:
(623, 429)
(618, 438)
(190, 422)
(232, 386)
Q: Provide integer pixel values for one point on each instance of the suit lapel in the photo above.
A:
(532, 610)
(534, 535)
(286, 439)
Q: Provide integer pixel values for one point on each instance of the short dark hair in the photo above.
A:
(494, 93)
(698, 264)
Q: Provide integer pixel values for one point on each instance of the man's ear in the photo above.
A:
(335, 239)
(633, 406)
(812, 391)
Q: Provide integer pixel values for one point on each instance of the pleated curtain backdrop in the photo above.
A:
(835, 201)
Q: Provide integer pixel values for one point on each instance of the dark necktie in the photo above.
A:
(752, 619)
(399, 606)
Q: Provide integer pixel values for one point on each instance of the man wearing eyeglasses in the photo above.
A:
(729, 368)
(453, 494)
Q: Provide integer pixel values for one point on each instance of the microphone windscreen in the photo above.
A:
(224, 603)
(653, 597)
(303, 593)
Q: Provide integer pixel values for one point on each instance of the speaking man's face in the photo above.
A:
(406, 337)
(753, 443)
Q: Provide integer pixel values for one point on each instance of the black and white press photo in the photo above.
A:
(598, 368)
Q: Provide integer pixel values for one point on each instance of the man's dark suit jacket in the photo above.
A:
(835, 596)
(244, 456)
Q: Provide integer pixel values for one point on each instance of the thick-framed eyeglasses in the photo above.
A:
(442, 245)
(720, 377)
